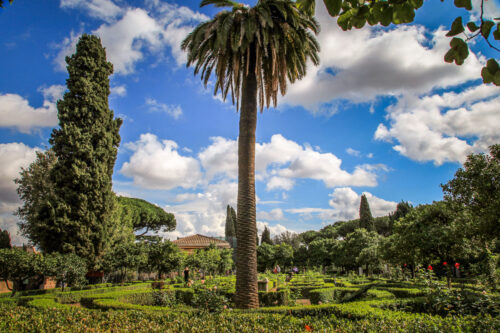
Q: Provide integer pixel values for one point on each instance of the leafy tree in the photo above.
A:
(4, 239)
(402, 209)
(289, 238)
(254, 52)
(301, 256)
(125, 257)
(476, 186)
(164, 257)
(382, 225)
(365, 215)
(355, 13)
(85, 145)
(283, 255)
(17, 265)
(266, 237)
(68, 269)
(37, 192)
(308, 236)
(349, 252)
(435, 233)
(322, 251)
(211, 260)
(265, 257)
(226, 261)
(145, 216)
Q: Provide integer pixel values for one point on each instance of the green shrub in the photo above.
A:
(163, 298)
(68, 298)
(207, 299)
(281, 297)
(184, 295)
(46, 303)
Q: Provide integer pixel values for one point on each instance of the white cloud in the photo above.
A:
(16, 112)
(125, 39)
(344, 205)
(158, 165)
(273, 215)
(275, 183)
(205, 211)
(274, 230)
(221, 157)
(66, 48)
(361, 64)
(353, 152)
(131, 33)
(13, 156)
(119, 90)
(174, 111)
(280, 161)
(9, 222)
(444, 127)
(102, 9)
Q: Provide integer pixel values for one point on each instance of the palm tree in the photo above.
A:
(254, 53)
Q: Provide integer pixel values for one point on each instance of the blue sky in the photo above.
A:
(383, 114)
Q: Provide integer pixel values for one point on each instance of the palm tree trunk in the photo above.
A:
(247, 296)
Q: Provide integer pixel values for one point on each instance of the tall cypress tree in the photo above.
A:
(230, 233)
(233, 217)
(266, 237)
(365, 215)
(4, 239)
(85, 145)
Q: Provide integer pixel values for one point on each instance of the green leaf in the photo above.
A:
(487, 76)
(464, 4)
(403, 13)
(333, 6)
(496, 33)
(417, 3)
(456, 27)
(492, 66)
(344, 21)
(486, 28)
(472, 26)
(459, 51)
(386, 16)
(307, 6)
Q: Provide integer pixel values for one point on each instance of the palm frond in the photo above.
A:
(272, 41)
(221, 3)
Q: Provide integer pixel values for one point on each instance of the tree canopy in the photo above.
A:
(476, 186)
(144, 216)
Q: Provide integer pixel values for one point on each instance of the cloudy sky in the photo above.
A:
(382, 114)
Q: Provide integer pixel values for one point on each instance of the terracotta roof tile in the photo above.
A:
(200, 241)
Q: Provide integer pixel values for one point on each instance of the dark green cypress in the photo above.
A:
(4, 239)
(230, 233)
(86, 145)
(266, 237)
(233, 217)
(365, 215)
